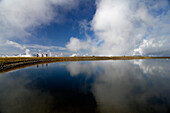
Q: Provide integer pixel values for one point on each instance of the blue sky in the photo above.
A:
(59, 33)
(85, 27)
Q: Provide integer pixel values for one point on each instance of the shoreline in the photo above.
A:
(13, 63)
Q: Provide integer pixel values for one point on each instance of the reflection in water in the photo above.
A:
(77, 68)
(16, 98)
(46, 65)
(46, 90)
(37, 66)
(141, 86)
(122, 87)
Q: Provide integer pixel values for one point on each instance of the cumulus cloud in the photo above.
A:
(77, 45)
(19, 17)
(129, 27)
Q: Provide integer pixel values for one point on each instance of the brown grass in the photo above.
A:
(10, 63)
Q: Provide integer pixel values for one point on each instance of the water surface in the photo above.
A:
(136, 86)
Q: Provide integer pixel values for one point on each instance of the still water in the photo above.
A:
(136, 86)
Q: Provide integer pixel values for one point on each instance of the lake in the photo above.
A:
(116, 86)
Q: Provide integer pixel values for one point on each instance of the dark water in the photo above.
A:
(139, 86)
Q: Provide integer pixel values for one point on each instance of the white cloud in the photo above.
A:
(154, 46)
(15, 44)
(19, 17)
(123, 26)
(22, 47)
(27, 48)
(76, 45)
(36, 46)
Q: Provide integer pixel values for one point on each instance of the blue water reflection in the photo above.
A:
(136, 86)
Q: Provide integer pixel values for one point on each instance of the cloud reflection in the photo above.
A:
(99, 86)
(77, 68)
(44, 90)
(16, 98)
(124, 86)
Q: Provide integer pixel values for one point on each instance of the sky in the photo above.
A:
(85, 27)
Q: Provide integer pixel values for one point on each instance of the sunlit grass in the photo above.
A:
(7, 63)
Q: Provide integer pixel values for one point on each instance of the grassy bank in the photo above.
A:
(10, 63)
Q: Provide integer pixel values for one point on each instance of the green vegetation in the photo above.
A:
(10, 63)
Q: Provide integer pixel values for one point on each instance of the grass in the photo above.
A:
(10, 63)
